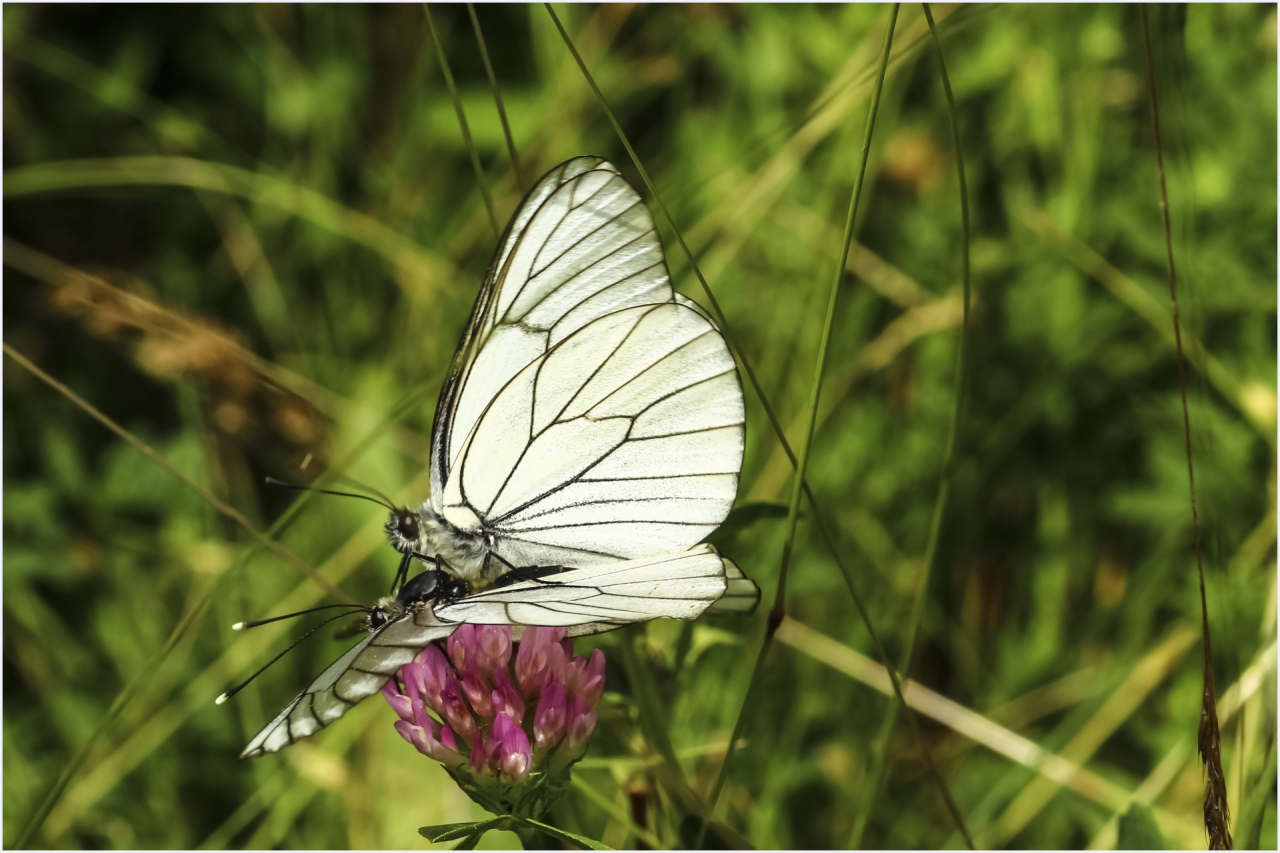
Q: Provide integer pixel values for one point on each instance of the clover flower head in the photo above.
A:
(506, 726)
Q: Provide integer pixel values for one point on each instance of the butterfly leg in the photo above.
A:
(515, 574)
(402, 573)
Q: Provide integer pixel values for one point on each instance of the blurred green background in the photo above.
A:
(251, 236)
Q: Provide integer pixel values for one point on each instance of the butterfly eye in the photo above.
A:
(402, 530)
(377, 617)
(409, 525)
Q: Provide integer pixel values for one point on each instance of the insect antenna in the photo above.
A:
(240, 626)
(354, 483)
(234, 690)
(272, 481)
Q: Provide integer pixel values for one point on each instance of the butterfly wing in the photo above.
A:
(582, 244)
(583, 601)
(622, 442)
(357, 675)
(602, 598)
(741, 595)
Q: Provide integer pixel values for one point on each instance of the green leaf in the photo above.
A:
(561, 835)
(1138, 830)
(453, 831)
(470, 842)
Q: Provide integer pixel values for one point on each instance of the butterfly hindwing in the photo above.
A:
(602, 598)
(583, 601)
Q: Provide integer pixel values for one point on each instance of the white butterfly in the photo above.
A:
(592, 425)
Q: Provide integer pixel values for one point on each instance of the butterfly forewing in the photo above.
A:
(622, 442)
(582, 245)
(358, 674)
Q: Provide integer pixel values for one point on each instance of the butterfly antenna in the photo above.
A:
(352, 481)
(272, 481)
(240, 626)
(234, 690)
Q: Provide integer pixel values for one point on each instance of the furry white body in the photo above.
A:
(463, 554)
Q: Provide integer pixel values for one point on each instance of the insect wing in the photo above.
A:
(622, 442)
(581, 245)
(741, 595)
(358, 674)
(602, 598)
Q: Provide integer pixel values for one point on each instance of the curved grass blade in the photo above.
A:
(497, 98)
(197, 610)
(741, 355)
(412, 261)
(208, 496)
(172, 126)
(462, 122)
(879, 762)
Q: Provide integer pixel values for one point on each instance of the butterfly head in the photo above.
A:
(404, 529)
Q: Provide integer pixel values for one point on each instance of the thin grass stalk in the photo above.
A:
(1253, 808)
(208, 496)
(777, 613)
(410, 259)
(824, 343)
(823, 527)
(879, 761)
(497, 97)
(462, 121)
(725, 329)
(778, 610)
(618, 813)
(1217, 817)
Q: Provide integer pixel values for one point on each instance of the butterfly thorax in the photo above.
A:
(464, 554)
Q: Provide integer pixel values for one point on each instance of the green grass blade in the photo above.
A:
(773, 419)
(815, 392)
(617, 813)
(879, 762)
(206, 495)
(410, 258)
(563, 836)
(497, 98)
(462, 122)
